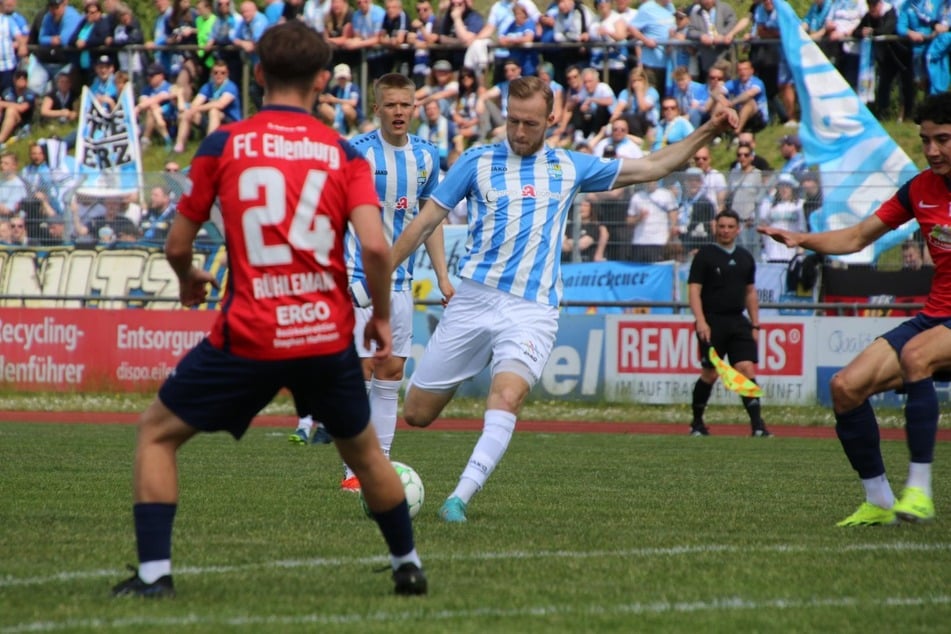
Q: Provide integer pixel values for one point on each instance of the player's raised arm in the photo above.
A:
(836, 242)
(671, 157)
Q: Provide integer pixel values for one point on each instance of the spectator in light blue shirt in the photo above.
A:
(791, 149)
(103, 86)
(651, 28)
(247, 32)
(916, 19)
(160, 35)
(218, 102)
(273, 11)
(691, 96)
(816, 16)
(747, 95)
(14, 32)
(56, 30)
(672, 127)
(367, 23)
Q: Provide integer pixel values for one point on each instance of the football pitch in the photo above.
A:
(574, 533)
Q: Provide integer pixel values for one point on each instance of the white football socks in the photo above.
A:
(879, 492)
(409, 558)
(152, 571)
(306, 423)
(384, 404)
(919, 475)
(496, 434)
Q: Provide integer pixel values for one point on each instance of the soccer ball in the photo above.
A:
(412, 487)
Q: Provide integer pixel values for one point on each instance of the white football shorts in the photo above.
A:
(483, 325)
(401, 323)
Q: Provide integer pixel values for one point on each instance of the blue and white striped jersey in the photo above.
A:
(404, 178)
(517, 210)
(12, 26)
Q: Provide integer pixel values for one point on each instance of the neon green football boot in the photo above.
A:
(914, 506)
(870, 515)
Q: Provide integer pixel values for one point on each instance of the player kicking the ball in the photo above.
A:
(287, 187)
(504, 314)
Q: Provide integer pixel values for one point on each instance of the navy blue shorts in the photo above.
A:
(898, 336)
(213, 390)
(732, 337)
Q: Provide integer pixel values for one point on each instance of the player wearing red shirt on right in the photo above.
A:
(287, 187)
(907, 357)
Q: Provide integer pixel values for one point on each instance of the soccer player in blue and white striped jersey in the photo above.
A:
(405, 172)
(505, 312)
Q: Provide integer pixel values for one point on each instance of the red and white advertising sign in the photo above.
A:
(655, 360)
(95, 350)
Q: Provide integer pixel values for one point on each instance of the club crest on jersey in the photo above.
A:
(402, 203)
(528, 191)
(554, 170)
(940, 237)
(422, 178)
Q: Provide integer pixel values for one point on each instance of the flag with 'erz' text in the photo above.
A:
(108, 156)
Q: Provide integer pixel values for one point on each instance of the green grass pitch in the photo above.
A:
(574, 533)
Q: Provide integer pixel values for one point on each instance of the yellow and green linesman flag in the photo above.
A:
(732, 379)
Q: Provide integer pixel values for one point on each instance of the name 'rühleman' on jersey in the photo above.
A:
(294, 284)
(249, 145)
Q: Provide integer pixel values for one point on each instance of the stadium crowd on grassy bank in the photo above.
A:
(627, 80)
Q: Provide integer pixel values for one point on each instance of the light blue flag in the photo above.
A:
(108, 157)
(866, 71)
(860, 164)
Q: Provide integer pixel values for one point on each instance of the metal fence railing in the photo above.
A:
(733, 52)
(652, 222)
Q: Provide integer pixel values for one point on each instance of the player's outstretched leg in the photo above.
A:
(496, 434)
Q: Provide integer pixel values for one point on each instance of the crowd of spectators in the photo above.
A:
(627, 80)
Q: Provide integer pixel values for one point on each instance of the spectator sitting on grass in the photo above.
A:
(157, 107)
(17, 104)
(216, 103)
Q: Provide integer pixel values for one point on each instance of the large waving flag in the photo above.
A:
(861, 165)
(108, 157)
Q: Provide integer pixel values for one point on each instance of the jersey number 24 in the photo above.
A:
(308, 231)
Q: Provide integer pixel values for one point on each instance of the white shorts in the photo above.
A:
(483, 325)
(401, 323)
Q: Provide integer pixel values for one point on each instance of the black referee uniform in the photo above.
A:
(724, 277)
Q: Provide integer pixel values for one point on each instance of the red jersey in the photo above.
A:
(927, 198)
(286, 185)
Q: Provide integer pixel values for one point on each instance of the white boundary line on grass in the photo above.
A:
(724, 604)
(322, 562)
